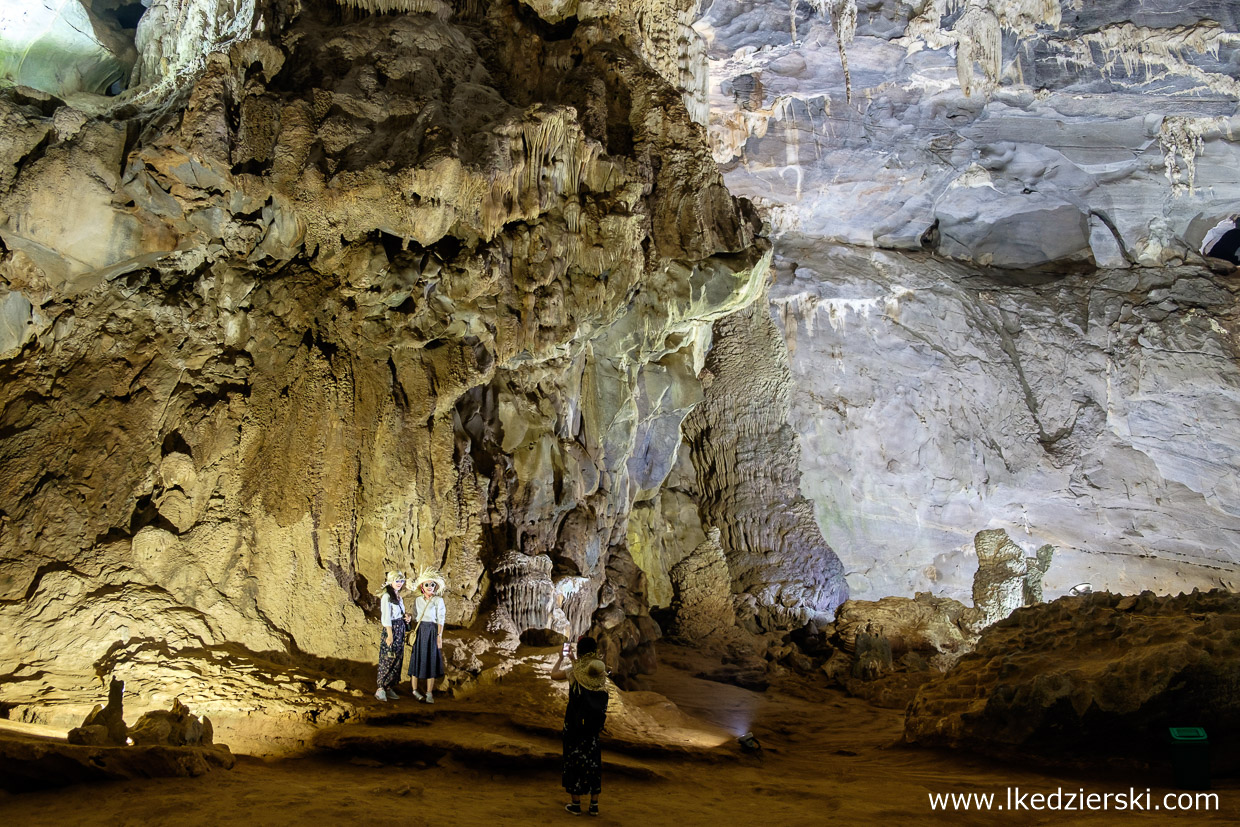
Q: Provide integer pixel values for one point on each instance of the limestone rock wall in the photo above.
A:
(1025, 141)
(367, 292)
(1005, 132)
(747, 460)
(1094, 413)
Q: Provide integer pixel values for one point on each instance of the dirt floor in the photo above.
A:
(490, 757)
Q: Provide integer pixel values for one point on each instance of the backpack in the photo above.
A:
(587, 709)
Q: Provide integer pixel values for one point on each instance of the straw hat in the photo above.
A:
(590, 673)
(430, 575)
(390, 580)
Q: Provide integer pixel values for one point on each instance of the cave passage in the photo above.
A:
(1227, 246)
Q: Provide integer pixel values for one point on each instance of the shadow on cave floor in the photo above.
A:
(491, 755)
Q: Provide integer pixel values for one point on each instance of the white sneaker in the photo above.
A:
(392, 696)
(418, 695)
(381, 695)
(430, 699)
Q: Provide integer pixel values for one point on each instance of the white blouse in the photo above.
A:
(389, 611)
(435, 613)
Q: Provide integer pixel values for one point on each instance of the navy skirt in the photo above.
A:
(426, 659)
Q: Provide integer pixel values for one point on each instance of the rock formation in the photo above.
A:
(929, 625)
(928, 193)
(105, 725)
(1006, 579)
(176, 727)
(749, 479)
(162, 743)
(328, 291)
(702, 585)
(1101, 675)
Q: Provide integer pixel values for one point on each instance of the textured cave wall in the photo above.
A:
(660, 31)
(747, 460)
(1095, 413)
(990, 220)
(367, 291)
(1018, 133)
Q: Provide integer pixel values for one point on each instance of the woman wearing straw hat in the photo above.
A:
(426, 659)
(583, 722)
(392, 643)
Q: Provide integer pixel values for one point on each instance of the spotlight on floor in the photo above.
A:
(749, 743)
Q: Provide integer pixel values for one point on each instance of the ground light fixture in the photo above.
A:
(749, 743)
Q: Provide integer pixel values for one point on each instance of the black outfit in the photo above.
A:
(426, 658)
(583, 729)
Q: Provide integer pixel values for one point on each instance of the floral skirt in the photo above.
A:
(583, 763)
(391, 656)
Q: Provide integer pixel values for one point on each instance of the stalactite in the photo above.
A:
(978, 32)
(1181, 137)
(981, 41)
(523, 589)
(1138, 49)
(435, 7)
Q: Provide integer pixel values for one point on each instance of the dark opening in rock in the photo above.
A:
(127, 15)
(1227, 246)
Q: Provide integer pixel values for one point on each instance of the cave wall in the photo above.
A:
(365, 291)
(990, 222)
(1003, 132)
(1096, 413)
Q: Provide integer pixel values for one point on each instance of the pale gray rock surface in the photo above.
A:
(1096, 413)
(1006, 132)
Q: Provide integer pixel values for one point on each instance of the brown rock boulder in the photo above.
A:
(1098, 676)
(105, 725)
(177, 727)
(926, 624)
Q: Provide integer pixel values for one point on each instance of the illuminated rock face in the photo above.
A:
(63, 47)
(382, 292)
(1093, 413)
(989, 224)
(1017, 133)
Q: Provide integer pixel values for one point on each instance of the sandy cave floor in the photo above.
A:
(827, 758)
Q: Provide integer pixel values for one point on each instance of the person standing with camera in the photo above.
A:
(584, 719)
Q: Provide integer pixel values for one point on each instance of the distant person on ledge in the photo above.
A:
(426, 659)
(583, 721)
(392, 642)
